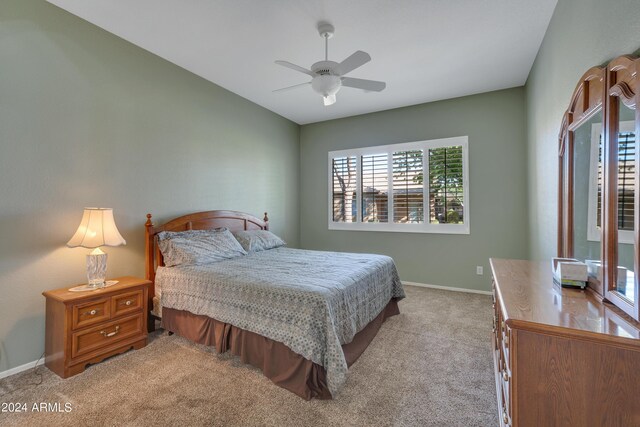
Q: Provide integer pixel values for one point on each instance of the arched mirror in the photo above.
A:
(598, 213)
(622, 284)
(581, 176)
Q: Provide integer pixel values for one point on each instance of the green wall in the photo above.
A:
(581, 34)
(87, 119)
(495, 124)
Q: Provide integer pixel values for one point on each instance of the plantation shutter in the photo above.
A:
(408, 186)
(626, 179)
(446, 185)
(374, 188)
(344, 187)
(600, 184)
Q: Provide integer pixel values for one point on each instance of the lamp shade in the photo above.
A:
(96, 229)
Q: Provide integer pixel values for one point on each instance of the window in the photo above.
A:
(419, 187)
(626, 176)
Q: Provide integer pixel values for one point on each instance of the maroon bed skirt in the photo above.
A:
(278, 362)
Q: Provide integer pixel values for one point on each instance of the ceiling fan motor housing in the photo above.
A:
(325, 68)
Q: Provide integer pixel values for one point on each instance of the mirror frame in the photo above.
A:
(621, 87)
(600, 89)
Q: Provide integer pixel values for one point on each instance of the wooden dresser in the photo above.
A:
(87, 327)
(562, 357)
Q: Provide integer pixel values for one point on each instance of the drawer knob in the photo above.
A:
(505, 376)
(128, 302)
(110, 334)
(91, 313)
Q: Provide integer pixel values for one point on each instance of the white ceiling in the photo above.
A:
(425, 50)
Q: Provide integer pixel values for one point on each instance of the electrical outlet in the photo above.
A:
(479, 270)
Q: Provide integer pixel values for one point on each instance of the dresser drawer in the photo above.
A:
(126, 303)
(505, 380)
(91, 312)
(503, 405)
(106, 334)
(496, 340)
(505, 341)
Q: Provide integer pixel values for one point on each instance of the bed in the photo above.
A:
(302, 317)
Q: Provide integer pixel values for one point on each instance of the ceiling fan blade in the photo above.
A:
(296, 67)
(356, 60)
(368, 85)
(284, 89)
(329, 100)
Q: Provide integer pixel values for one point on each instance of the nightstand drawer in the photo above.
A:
(91, 312)
(104, 335)
(126, 303)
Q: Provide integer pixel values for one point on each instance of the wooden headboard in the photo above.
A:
(234, 221)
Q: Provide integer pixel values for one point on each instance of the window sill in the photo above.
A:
(401, 228)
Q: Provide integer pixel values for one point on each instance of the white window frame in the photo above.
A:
(391, 226)
(593, 231)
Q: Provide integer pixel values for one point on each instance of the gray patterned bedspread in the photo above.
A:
(311, 301)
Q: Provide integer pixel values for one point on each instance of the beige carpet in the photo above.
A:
(429, 366)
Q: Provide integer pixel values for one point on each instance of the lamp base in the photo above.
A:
(96, 268)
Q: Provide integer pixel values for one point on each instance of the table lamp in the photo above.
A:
(97, 228)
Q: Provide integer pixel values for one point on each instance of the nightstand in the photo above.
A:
(87, 327)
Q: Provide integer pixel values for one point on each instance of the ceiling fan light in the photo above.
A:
(326, 85)
(329, 100)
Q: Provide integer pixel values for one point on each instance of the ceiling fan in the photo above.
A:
(329, 76)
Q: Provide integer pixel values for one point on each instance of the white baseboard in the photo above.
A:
(446, 288)
(20, 368)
